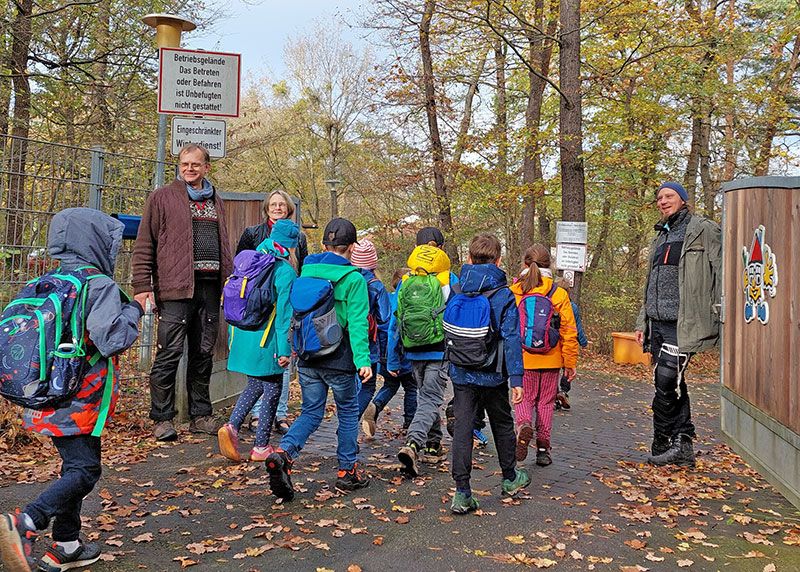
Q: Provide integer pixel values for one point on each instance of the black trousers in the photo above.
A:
(63, 499)
(195, 320)
(672, 414)
(468, 401)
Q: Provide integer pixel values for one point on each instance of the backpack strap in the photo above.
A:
(268, 328)
(552, 290)
(108, 391)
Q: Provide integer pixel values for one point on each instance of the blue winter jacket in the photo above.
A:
(582, 341)
(480, 278)
(381, 310)
(395, 352)
(383, 337)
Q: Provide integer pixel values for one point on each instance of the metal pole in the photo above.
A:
(161, 150)
(96, 178)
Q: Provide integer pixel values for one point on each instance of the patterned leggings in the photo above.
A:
(270, 386)
(539, 392)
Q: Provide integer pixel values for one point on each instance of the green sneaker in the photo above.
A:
(510, 488)
(462, 504)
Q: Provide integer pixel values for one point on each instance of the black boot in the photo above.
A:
(681, 453)
(661, 444)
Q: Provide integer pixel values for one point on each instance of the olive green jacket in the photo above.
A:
(699, 286)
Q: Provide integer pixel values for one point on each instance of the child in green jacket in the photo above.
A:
(335, 370)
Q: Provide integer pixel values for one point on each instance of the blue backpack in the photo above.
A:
(248, 296)
(471, 339)
(539, 321)
(315, 330)
(42, 343)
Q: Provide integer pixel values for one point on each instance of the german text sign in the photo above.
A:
(574, 232)
(571, 257)
(210, 133)
(192, 82)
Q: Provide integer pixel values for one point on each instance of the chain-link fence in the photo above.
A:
(38, 179)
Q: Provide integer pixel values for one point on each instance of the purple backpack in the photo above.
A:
(248, 297)
(539, 322)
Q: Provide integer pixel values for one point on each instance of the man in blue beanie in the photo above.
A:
(679, 316)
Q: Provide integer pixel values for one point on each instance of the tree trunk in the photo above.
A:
(693, 161)
(101, 120)
(437, 150)
(466, 118)
(20, 123)
(573, 194)
(540, 51)
(776, 110)
(501, 138)
(729, 169)
(709, 184)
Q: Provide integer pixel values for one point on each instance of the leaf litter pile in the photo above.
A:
(598, 507)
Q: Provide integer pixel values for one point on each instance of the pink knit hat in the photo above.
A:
(365, 255)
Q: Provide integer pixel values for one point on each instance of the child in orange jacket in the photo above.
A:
(541, 377)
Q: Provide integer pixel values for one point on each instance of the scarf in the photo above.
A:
(200, 194)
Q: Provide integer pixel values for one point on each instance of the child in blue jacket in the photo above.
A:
(477, 389)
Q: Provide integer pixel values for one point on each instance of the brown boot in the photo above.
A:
(165, 431)
(205, 424)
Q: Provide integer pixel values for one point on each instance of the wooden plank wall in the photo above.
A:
(761, 363)
(239, 214)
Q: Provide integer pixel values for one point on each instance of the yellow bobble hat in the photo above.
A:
(426, 259)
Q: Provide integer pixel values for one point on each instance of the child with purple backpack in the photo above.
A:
(263, 353)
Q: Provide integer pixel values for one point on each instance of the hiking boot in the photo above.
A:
(524, 438)
(228, 438)
(204, 424)
(433, 453)
(258, 454)
(680, 453)
(56, 560)
(368, 420)
(522, 480)
(279, 467)
(562, 400)
(543, 457)
(282, 426)
(660, 445)
(16, 542)
(450, 417)
(462, 503)
(164, 431)
(479, 439)
(351, 480)
(408, 456)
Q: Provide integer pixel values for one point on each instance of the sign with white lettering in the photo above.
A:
(571, 257)
(574, 232)
(210, 133)
(192, 82)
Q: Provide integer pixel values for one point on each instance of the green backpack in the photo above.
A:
(420, 304)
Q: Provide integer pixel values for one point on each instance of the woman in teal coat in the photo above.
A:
(263, 354)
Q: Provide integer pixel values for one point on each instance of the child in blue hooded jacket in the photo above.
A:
(481, 389)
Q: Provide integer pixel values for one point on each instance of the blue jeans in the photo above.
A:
(283, 404)
(314, 384)
(389, 389)
(63, 499)
(367, 390)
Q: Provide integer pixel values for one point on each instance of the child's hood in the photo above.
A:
(427, 259)
(327, 265)
(543, 288)
(81, 236)
(481, 277)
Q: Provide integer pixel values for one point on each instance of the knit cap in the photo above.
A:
(365, 255)
(677, 187)
(285, 233)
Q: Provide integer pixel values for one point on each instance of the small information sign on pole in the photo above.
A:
(571, 257)
(192, 82)
(209, 133)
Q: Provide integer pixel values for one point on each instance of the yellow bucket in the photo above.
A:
(626, 350)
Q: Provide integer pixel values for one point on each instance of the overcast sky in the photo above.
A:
(258, 30)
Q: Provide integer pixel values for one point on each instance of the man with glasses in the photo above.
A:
(180, 259)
